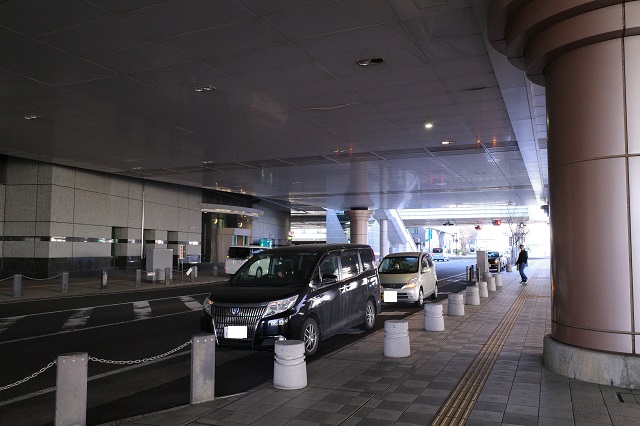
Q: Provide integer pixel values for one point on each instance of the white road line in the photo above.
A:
(142, 310)
(191, 303)
(78, 319)
(8, 322)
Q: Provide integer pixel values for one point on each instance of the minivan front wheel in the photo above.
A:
(310, 336)
(369, 315)
(434, 295)
(420, 300)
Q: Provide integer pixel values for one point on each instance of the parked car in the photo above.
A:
(305, 292)
(497, 262)
(439, 254)
(237, 255)
(408, 277)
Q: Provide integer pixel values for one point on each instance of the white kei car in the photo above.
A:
(408, 277)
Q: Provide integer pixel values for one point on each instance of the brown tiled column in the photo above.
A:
(587, 54)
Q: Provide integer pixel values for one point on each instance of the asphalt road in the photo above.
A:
(134, 326)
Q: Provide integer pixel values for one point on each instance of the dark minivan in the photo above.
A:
(305, 292)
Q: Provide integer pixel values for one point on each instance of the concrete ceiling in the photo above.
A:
(290, 115)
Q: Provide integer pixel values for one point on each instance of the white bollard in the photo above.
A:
(491, 283)
(433, 319)
(498, 280)
(456, 305)
(289, 366)
(203, 368)
(486, 275)
(509, 268)
(482, 289)
(473, 295)
(71, 389)
(396, 339)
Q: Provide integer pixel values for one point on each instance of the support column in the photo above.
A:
(359, 225)
(589, 60)
(384, 237)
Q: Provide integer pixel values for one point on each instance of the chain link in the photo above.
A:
(139, 361)
(41, 279)
(103, 361)
(26, 379)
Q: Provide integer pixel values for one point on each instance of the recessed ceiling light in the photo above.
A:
(447, 142)
(372, 61)
(31, 117)
(136, 168)
(207, 88)
(428, 125)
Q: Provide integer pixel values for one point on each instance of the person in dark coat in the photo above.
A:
(521, 263)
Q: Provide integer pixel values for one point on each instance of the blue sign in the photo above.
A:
(430, 233)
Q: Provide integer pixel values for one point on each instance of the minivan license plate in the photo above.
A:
(390, 296)
(235, 332)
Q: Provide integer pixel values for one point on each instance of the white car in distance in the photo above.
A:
(408, 277)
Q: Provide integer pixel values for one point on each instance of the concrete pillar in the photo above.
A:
(455, 304)
(289, 366)
(359, 225)
(203, 368)
(498, 277)
(483, 291)
(433, 319)
(396, 339)
(473, 295)
(384, 237)
(491, 283)
(71, 389)
(588, 59)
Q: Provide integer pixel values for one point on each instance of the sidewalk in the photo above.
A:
(491, 356)
(117, 281)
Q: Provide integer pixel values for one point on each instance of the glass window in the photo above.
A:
(350, 265)
(329, 268)
(367, 258)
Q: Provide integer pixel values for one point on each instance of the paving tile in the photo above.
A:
(592, 416)
(555, 413)
(521, 409)
(490, 416)
(519, 419)
(313, 416)
(550, 421)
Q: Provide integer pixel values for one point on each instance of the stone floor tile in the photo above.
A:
(591, 416)
(519, 419)
(555, 413)
(521, 409)
(490, 416)
(550, 421)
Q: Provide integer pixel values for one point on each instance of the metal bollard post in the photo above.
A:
(192, 275)
(17, 285)
(203, 368)
(103, 280)
(195, 271)
(64, 287)
(167, 276)
(138, 278)
(215, 270)
(71, 389)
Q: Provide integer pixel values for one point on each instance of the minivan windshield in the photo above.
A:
(275, 270)
(399, 265)
(493, 254)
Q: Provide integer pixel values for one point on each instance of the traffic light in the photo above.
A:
(497, 222)
(478, 227)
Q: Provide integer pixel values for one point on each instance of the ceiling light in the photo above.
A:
(207, 88)
(428, 125)
(447, 142)
(372, 61)
(31, 117)
(208, 162)
(136, 168)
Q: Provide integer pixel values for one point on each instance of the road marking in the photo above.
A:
(392, 313)
(142, 310)
(8, 322)
(78, 319)
(191, 303)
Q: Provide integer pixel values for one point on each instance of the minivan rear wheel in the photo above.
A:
(369, 315)
(310, 336)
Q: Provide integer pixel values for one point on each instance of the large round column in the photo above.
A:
(587, 54)
(359, 225)
(384, 237)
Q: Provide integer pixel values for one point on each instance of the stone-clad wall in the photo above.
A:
(55, 218)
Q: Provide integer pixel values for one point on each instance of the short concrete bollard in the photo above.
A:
(17, 285)
(498, 280)
(104, 280)
(396, 339)
(486, 276)
(167, 276)
(203, 368)
(433, 319)
(491, 283)
(509, 267)
(289, 366)
(455, 305)
(64, 286)
(71, 389)
(482, 289)
(138, 278)
(473, 295)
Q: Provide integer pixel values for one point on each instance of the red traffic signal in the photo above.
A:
(497, 222)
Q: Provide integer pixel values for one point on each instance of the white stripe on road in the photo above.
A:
(8, 322)
(142, 310)
(78, 319)
(191, 303)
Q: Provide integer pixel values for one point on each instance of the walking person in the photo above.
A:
(521, 263)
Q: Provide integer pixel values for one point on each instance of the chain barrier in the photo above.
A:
(8, 278)
(26, 379)
(103, 361)
(139, 361)
(41, 279)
